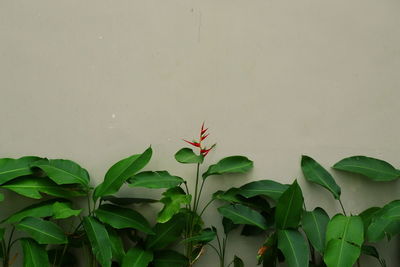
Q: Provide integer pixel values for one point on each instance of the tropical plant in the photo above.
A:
(180, 202)
(346, 235)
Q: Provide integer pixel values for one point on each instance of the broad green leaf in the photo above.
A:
(124, 201)
(99, 239)
(373, 252)
(228, 225)
(375, 169)
(267, 188)
(57, 208)
(120, 172)
(289, 207)
(63, 210)
(367, 216)
(117, 247)
(240, 214)
(158, 179)
(385, 221)
(294, 247)
(32, 187)
(121, 218)
(348, 228)
(231, 195)
(233, 164)
(186, 155)
(35, 255)
(63, 171)
(169, 258)
(13, 168)
(314, 225)
(207, 235)
(1, 197)
(136, 257)
(42, 209)
(172, 199)
(344, 237)
(166, 233)
(340, 253)
(237, 262)
(44, 232)
(315, 173)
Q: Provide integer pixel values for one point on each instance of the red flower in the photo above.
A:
(203, 135)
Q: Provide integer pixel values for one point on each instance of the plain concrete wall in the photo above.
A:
(96, 81)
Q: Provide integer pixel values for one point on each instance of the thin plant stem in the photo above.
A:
(196, 188)
(206, 206)
(341, 204)
(199, 196)
(216, 250)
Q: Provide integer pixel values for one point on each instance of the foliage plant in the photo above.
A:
(311, 238)
(110, 230)
(183, 204)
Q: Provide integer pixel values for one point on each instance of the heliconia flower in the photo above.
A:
(262, 250)
(203, 150)
(204, 137)
(194, 143)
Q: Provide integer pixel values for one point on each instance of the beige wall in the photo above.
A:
(96, 81)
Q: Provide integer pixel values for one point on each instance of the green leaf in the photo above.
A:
(237, 262)
(137, 257)
(32, 187)
(2, 230)
(186, 155)
(117, 247)
(314, 224)
(240, 214)
(42, 209)
(233, 164)
(99, 239)
(158, 179)
(228, 225)
(121, 218)
(367, 216)
(169, 258)
(385, 221)
(124, 201)
(63, 171)
(35, 255)
(44, 232)
(340, 253)
(63, 210)
(344, 237)
(373, 252)
(348, 228)
(173, 198)
(267, 188)
(166, 233)
(315, 173)
(375, 169)
(207, 235)
(289, 207)
(294, 247)
(1, 197)
(120, 172)
(13, 168)
(231, 195)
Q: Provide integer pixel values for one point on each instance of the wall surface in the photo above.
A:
(96, 81)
